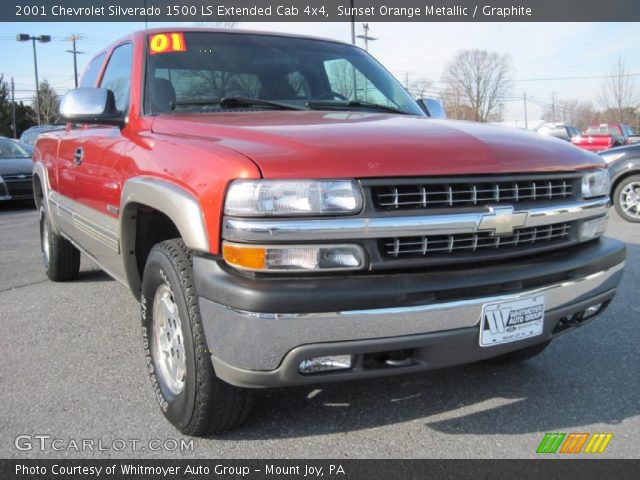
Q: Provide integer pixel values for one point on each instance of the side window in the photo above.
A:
(91, 73)
(345, 79)
(117, 76)
(342, 77)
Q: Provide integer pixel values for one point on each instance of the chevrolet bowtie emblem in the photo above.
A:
(502, 220)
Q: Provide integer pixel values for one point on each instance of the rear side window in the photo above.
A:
(91, 73)
(117, 76)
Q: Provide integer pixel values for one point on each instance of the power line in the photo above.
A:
(544, 79)
(585, 77)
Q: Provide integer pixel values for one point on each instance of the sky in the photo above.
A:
(417, 50)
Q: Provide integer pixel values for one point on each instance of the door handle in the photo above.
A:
(78, 155)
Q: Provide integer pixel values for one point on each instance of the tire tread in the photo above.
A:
(64, 258)
(218, 406)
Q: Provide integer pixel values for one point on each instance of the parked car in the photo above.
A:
(603, 137)
(624, 169)
(30, 135)
(559, 130)
(283, 228)
(15, 171)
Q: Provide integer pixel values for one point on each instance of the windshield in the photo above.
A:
(193, 71)
(11, 149)
(603, 130)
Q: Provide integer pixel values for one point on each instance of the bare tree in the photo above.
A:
(419, 87)
(476, 81)
(618, 93)
(48, 103)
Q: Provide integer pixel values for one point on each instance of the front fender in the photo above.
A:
(182, 208)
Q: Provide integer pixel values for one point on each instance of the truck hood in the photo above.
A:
(10, 166)
(321, 144)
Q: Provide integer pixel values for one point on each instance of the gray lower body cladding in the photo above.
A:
(435, 315)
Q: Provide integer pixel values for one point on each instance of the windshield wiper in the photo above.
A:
(232, 102)
(354, 103)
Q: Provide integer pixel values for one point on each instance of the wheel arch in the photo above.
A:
(153, 210)
(632, 168)
(42, 192)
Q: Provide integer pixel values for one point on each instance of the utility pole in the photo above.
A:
(353, 24)
(366, 37)
(13, 108)
(24, 37)
(553, 107)
(526, 121)
(501, 107)
(75, 53)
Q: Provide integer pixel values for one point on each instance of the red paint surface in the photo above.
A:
(203, 153)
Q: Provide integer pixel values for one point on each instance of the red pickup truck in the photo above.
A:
(287, 214)
(603, 137)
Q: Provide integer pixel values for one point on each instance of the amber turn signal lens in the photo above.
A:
(244, 257)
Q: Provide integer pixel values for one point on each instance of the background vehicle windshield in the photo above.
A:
(11, 149)
(603, 130)
(287, 70)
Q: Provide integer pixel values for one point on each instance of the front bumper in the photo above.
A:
(260, 329)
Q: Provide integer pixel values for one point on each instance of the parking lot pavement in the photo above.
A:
(72, 368)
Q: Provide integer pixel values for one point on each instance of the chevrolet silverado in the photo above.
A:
(287, 214)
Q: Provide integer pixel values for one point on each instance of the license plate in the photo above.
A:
(505, 322)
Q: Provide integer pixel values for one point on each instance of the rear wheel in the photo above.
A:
(190, 395)
(626, 198)
(520, 355)
(61, 259)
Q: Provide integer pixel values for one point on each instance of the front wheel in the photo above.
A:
(626, 198)
(190, 395)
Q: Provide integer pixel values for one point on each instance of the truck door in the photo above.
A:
(91, 182)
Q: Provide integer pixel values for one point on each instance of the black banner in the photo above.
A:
(116, 469)
(319, 10)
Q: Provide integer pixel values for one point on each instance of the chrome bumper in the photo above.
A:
(257, 342)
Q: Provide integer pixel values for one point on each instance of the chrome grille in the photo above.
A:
(458, 243)
(19, 177)
(461, 194)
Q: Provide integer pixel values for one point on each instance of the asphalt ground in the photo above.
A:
(72, 369)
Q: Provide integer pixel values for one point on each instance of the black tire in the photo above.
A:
(61, 259)
(204, 404)
(619, 193)
(519, 355)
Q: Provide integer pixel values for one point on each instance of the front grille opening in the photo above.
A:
(425, 246)
(390, 359)
(448, 195)
(578, 318)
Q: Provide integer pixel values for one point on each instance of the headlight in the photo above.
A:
(282, 198)
(596, 184)
(612, 157)
(293, 258)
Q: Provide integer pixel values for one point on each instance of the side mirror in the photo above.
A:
(91, 105)
(432, 107)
